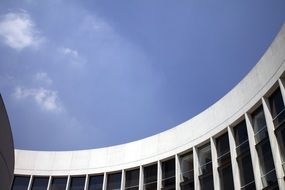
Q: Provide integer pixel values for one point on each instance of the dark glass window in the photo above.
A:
(276, 103)
(263, 149)
(96, 182)
(226, 177)
(206, 173)
(150, 177)
(21, 182)
(40, 183)
(224, 162)
(58, 183)
(132, 179)
(187, 172)
(114, 181)
(246, 172)
(240, 133)
(168, 174)
(243, 157)
(77, 183)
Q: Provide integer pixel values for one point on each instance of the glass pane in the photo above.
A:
(187, 171)
(224, 161)
(245, 168)
(168, 174)
(77, 183)
(58, 183)
(114, 181)
(263, 148)
(206, 182)
(205, 159)
(259, 125)
(223, 149)
(226, 177)
(40, 183)
(150, 177)
(276, 103)
(265, 157)
(223, 145)
(21, 182)
(132, 179)
(186, 166)
(240, 133)
(96, 182)
(258, 119)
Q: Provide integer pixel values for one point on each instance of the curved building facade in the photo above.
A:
(6, 149)
(237, 143)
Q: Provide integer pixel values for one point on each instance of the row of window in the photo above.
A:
(242, 150)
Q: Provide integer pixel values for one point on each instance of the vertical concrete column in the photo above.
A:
(141, 179)
(123, 180)
(86, 182)
(274, 144)
(105, 181)
(196, 169)
(216, 176)
(49, 183)
(235, 168)
(159, 174)
(253, 152)
(281, 83)
(177, 172)
(30, 182)
(68, 182)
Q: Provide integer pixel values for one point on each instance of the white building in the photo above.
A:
(237, 143)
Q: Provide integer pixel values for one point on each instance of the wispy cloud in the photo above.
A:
(18, 31)
(95, 23)
(47, 99)
(72, 55)
(43, 78)
(69, 52)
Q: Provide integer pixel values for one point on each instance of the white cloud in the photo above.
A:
(72, 56)
(47, 99)
(43, 78)
(95, 24)
(18, 31)
(69, 52)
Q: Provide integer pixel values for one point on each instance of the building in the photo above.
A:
(237, 143)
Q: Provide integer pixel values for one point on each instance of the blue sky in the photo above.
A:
(89, 74)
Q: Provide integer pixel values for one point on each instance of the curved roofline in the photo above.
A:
(212, 121)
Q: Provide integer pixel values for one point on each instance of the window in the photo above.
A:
(224, 162)
(263, 148)
(150, 177)
(58, 183)
(277, 107)
(40, 183)
(96, 182)
(132, 179)
(187, 172)
(114, 181)
(243, 157)
(21, 182)
(77, 183)
(168, 174)
(206, 173)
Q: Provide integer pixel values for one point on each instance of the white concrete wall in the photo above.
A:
(185, 136)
